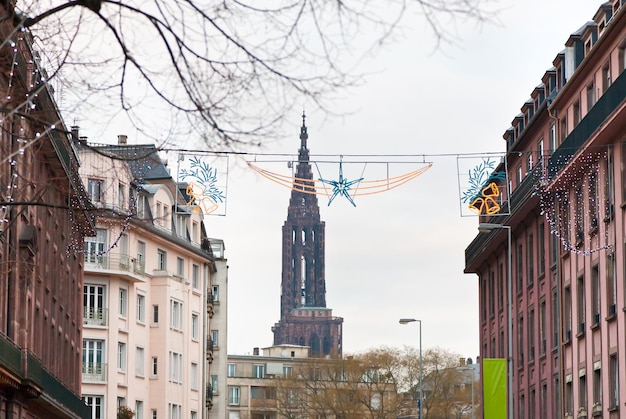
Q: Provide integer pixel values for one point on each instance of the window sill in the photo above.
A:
(595, 325)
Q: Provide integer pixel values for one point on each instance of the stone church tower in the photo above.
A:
(304, 318)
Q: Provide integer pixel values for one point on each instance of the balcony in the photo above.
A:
(23, 371)
(210, 347)
(94, 372)
(597, 115)
(95, 316)
(130, 267)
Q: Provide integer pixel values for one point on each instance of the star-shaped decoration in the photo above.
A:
(341, 186)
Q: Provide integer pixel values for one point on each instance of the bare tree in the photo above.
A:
(224, 71)
(360, 386)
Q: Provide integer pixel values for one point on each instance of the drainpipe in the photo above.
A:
(559, 286)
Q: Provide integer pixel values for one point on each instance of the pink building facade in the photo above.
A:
(566, 170)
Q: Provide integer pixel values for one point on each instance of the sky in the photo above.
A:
(400, 253)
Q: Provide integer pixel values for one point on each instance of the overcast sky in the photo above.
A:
(399, 253)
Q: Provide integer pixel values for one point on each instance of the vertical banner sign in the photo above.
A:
(494, 388)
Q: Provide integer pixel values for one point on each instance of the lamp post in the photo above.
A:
(485, 228)
(421, 382)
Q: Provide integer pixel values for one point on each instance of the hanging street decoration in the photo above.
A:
(206, 179)
(482, 181)
(571, 202)
(355, 178)
(341, 186)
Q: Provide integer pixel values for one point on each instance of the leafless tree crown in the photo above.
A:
(222, 71)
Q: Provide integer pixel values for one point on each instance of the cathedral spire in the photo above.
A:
(303, 154)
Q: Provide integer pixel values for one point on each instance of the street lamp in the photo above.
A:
(486, 228)
(421, 383)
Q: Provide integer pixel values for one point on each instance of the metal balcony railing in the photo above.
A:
(115, 261)
(95, 316)
(94, 371)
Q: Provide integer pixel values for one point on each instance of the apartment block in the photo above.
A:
(551, 271)
(148, 295)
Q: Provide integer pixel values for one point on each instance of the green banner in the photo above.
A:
(494, 388)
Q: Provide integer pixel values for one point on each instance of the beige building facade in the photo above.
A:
(148, 296)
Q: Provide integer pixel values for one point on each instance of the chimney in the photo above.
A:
(255, 351)
(462, 362)
(122, 139)
(74, 131)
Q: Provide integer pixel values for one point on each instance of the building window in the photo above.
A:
(287, 371)
(613, 382)
(611, 285)
(194, 415)
(216, 293)
(161, 260)
(121, 356)
(591, 95)
(595, 294)
(194, 232)
(195, 326)
(540, 151)
(501, 286)
(520, 341)
(530, 259)
(154, 366)
(542, 328)
(176, 367)
(95, 248)
(552, 138)
(567, 315)
(96, 406)
(139, 362)
(141, 257)
(175, 411)
(214, 382)
(576, 112)
(580, 291)
(193, 376)
(531, 334)
(492, 294)
(143, 207)
(195, 276)
(234, 394)
(582, 390)
(141, 308)
(123, 308)
(606, 77)
(155, 314)
(94, 310)
(597, 385)
(138, 409)
(215, 337)
(154, 414)
(176, 315)
(563, 131)
(93, 360)
(180, 267)
(231, 370)
(593, 199)
(121, 195)
(520, 267)
(95, 189)
(569, 397)
(259, 370)
(541, 248)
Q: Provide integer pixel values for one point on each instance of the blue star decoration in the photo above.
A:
(341, 186)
